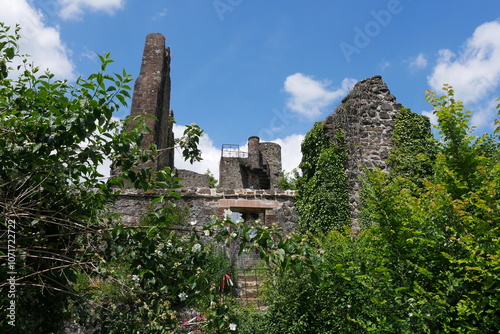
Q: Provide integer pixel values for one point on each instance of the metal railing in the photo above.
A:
(232, 151)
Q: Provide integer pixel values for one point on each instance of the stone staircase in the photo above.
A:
(250, 287)
(263, 175)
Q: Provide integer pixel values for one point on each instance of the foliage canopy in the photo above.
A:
(427, 261)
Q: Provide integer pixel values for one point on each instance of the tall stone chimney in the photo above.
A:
(152, 97)
(254, 151)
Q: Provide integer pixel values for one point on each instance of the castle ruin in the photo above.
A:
(248, 180)
(366, 117)
(259, 168)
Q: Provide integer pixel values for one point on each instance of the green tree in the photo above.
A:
(53, 137)
(213, 182)
(428, 262)
(414, 146)
(54, 202)
(288, 181)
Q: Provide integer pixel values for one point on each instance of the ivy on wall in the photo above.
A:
(414, 146)
(322, 201)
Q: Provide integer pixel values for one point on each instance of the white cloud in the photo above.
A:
(432, 117)
(475, 71)
(291, 154)
(418, 62)
(43, 43)
(484, 116)
(384, 64)
(73, 9)
(89, 54)
(160, 14)
(308, 96)
(209, 153)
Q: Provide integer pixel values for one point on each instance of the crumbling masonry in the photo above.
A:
(248, 179)
(366, 117)
(152, 97)
(259, 168)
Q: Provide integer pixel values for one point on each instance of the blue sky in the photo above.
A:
(273, 68)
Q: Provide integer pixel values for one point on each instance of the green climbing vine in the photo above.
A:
(322, 201)
(414, 146)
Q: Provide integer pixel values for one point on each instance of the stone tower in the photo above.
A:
(258, 169)
(366, 117)
(152, 97)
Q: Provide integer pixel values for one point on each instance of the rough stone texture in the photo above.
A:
(152, 97)
(366, 117)
(271, 153)
(207, 202)
(230, 174)
(193, 179)
(258, 169)
(70, 326)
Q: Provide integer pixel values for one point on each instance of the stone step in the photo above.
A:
(250, 287)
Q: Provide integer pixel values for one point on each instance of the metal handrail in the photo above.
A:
(232, 151)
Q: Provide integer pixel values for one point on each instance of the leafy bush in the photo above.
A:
(428, 259)
(72, 257)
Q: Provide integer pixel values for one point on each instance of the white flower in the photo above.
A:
(207, 232)
(227, 214)
(194, 222)
(410, 314)
(233, 235)
(252, 233)
(183, 296)
(136, 278)
(239, 220)
(232, 327)
(196, 248)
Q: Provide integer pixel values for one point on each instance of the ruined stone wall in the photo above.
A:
(258, 169)
(192, 179)
(203, 203)
(366, 117)
(230, 173)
